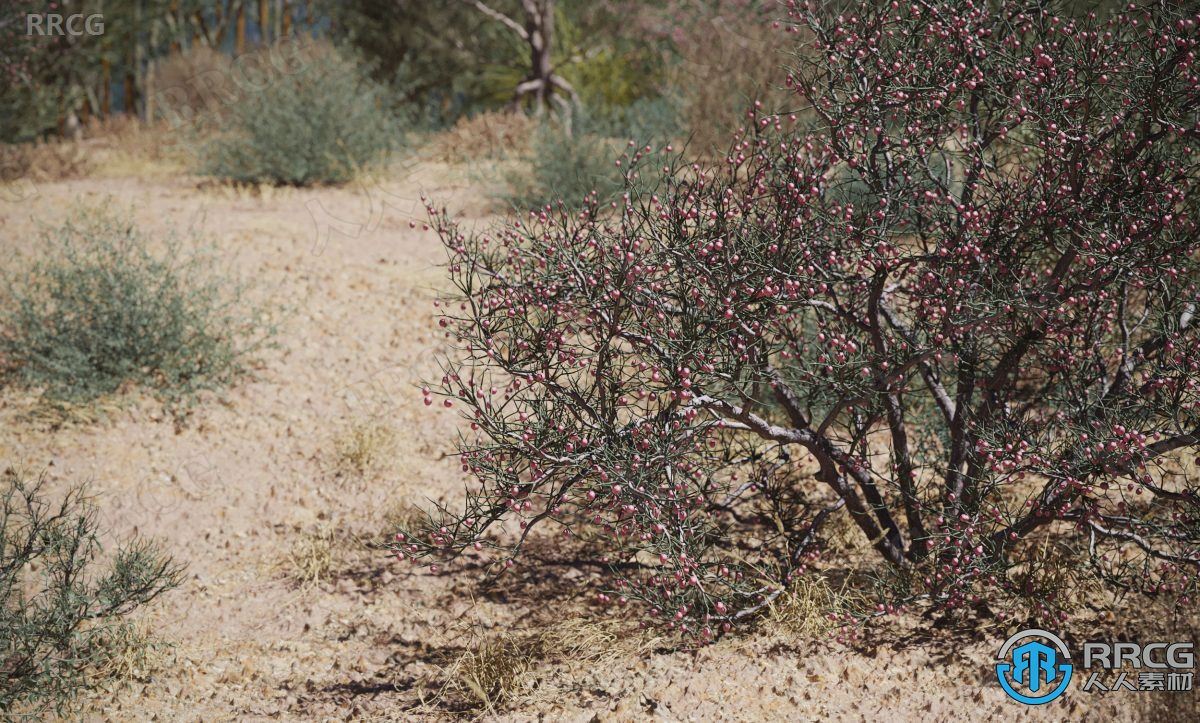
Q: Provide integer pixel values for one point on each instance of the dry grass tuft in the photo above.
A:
(310, 560)
(809, 607)
(584, 639)
(485, 136)
(1057, 573)
(401, 514)
(841, 533)
(364, 449)
(124, 147)
(115, 147)
(43, 161)
(495, 669)
(588, 642)
(130, 652)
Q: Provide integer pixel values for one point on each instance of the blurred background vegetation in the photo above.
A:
(642, 70)
(637, 68)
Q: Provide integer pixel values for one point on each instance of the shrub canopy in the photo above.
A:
(63, 605)
(322, 124)
(100, 309)
(953, 298)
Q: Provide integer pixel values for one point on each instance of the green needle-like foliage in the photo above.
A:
(63, 600)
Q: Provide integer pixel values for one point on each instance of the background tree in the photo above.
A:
(44, 76)
(56, 83)
(264, 22)
(455, 58)
(437, 57)
(536, 30)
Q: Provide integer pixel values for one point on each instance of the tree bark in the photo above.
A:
(105, 88)
(151, 72)
(138, 61)
(264, 21)
(173, 26)
(129, 100)
(541, 83)
(239, 38)
(539, 29)
(221, 24)
(286, 18)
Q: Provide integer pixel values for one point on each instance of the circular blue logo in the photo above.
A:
(1034, 667)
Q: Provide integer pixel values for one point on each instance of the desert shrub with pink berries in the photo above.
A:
(953, 300)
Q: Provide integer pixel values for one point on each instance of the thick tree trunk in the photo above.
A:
(542, 83)
(539, 25)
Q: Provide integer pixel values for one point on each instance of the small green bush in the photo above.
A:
(646, 121)
(99, 311)
(64, 606)
(319, 125)
(564, 167)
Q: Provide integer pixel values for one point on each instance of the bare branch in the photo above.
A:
(500, 17)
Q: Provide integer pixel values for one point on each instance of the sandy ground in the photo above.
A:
(250, 484)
